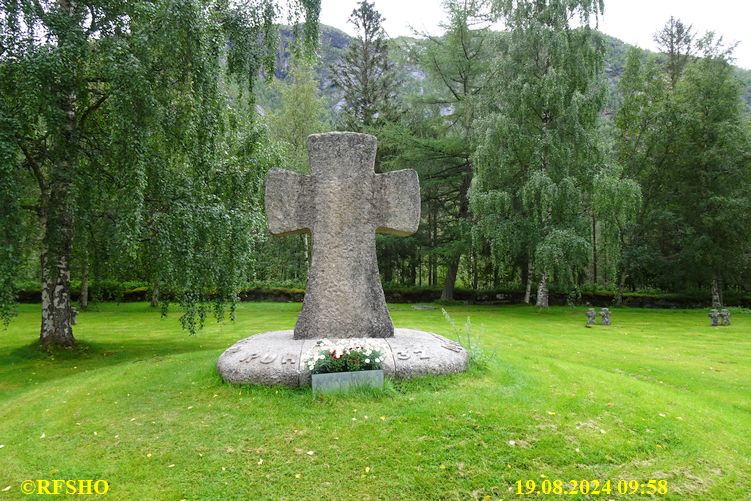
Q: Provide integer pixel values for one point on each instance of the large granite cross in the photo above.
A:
(343, 204)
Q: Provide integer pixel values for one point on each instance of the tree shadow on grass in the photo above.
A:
(31, 362)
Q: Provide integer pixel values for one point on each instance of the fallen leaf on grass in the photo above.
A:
(6, 489)
(171, 466)
(260, 461)
(310, 453)
(43, 435)
(297, 475)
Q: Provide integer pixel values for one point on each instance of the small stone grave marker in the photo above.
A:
(714, 316)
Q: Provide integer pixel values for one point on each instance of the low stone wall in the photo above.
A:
(468, 296)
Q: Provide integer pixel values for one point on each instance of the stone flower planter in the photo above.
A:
(343, 381)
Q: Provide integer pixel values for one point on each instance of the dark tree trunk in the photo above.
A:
(594, 250)
(419, 270)
(413, 270)
(542, 292)
(433, 273)
(619, 291)
(453, 267)
(475, 277)
(83, 299)
(386, 264)
(448, 287)
(154, 295)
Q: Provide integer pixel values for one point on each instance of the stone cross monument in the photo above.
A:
(343, 204)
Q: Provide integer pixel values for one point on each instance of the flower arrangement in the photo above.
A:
(346, 355)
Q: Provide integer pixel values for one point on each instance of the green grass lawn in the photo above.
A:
(658, 395)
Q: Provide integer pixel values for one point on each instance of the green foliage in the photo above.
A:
(683, 135)
(10, 225)
(536, 162)
(124, 119)
(617, 208)
(303, 112)
(676, 41)
(365, 74)
(342, 355)
(437, 136)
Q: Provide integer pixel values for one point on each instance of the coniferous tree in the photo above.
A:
(708, 187)
(439, 138)
(683, 135)
(676, 41)
(365, 74)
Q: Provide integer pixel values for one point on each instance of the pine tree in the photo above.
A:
(676, 41)
(365, 74)
(441, 130)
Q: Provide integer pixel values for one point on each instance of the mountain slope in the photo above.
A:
(334, 41)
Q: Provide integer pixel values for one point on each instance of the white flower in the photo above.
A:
(367, 360)
(378, 360)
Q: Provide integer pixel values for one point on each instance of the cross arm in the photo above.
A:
(397, 202)
(288, 201)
